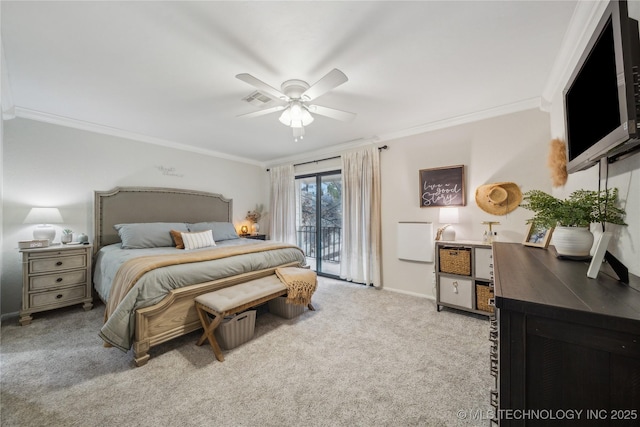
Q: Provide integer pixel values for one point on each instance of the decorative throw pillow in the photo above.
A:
(198, 240)
(177, 239)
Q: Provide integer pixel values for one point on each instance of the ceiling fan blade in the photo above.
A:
(263, 112)
(344, 116)
(261, 86)
(332, 79)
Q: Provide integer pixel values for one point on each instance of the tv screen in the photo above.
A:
(601, 99)
(592, 103)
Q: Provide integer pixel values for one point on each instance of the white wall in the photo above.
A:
(512, 148)
(50, 165)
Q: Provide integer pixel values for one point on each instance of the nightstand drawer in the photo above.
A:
(57, 297)
(456, 291)
(55, 280)
(57, 263)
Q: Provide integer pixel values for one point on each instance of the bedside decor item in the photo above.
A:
(254, 216)
(538, 236)
(498, 198)
(244, 230)
(83, 238)
(28, 244)
(448, 216)
(67, 236)
(44, 217)
(571, 217)
(441, 187)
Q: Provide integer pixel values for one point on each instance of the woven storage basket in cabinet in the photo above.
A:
(483, 293)
(455, 261)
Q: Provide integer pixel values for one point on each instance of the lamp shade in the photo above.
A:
(449, 216)
(44, 217)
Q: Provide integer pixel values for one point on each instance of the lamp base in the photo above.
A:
(43, 232)
(449, 234)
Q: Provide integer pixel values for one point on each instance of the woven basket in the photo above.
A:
(455, 261)
(483, 293)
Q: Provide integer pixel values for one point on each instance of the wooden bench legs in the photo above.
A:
(210, 326)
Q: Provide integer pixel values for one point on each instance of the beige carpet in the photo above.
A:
(364, 358)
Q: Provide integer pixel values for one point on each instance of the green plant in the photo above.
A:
(580, 209)
(67, 231)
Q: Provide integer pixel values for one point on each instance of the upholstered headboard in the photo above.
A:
(149, 204)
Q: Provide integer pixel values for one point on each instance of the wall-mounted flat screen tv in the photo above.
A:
(602, 96)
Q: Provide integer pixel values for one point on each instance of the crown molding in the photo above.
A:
(107, 130)
(529, 104)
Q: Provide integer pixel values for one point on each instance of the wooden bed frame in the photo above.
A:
(175, 315)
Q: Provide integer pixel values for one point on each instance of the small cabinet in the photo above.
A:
(464, 276)
(54, 277)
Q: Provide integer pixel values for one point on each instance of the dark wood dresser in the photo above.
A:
(566, 348)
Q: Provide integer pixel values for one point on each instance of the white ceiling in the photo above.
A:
(164, 72)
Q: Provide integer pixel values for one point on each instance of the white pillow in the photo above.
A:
(198, 240)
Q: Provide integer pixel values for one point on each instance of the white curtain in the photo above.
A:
(283, 204)
(361, 225)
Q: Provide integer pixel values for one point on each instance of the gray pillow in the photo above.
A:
(148, 234)
(221, 230)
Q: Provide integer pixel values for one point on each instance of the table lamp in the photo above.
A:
(448, 216)
(44, 217)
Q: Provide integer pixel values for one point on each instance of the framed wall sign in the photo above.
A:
(442, 187)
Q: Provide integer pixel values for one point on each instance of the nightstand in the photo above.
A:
(54, 277)
(255, 236)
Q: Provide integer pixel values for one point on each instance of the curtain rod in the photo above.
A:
(384, 147)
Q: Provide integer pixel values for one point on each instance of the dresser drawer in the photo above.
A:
(60, 279)
(61, 296)
(456, 291)
(57, 263)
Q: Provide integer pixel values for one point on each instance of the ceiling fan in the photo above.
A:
(294, 96)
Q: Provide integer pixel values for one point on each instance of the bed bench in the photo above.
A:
(232, 300)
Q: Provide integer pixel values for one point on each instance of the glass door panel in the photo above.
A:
(319, 220)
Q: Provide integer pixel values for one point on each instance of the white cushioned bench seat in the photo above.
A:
(238, 295)
(232, 300)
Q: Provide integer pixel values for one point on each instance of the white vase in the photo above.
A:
(573, 241)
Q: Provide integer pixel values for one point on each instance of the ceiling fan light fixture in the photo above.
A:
(307, 118)
(296, 115)
(285, 117)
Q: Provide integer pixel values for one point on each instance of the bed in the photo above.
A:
(158, 303)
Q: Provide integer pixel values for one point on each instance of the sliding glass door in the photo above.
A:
(319, 220)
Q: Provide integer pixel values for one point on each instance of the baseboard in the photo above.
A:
(415, 294)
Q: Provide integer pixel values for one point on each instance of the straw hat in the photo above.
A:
(498, 198)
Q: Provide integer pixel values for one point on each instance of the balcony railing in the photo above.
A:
(330, 238)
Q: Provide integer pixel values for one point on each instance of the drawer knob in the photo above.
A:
(59, 279)
(59, 263)
(59, 296)
(455, 287)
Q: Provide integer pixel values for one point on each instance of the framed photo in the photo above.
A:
(538, 236)
(441, 187)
